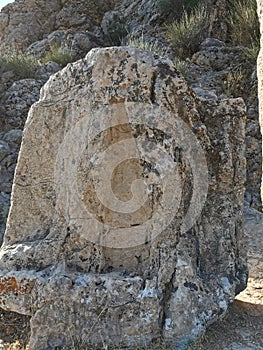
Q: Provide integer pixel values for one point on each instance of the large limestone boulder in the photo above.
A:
(126, 222)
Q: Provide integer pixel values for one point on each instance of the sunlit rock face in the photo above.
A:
(126, 223)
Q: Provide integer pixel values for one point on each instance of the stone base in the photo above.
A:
(75, 310)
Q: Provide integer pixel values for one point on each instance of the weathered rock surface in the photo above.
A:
(253, 233)
(260, 72)
(4, 208)
(78, 43)
(214, 72)
(26, 21)
(17, 99)
(116, 228)
(36, 26)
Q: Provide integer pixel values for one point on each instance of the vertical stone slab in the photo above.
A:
(126, 223)
(260, 73)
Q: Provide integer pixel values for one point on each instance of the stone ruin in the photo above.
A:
(126, 222)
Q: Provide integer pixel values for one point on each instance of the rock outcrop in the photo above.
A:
(24, 22)
(213, 73)
(126, 220)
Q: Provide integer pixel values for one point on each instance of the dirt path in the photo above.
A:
(242, 328)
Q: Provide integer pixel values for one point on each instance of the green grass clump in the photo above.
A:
(22, 65)
(187, 33)
(147, 45)
(59, 55)
(252, 52)
(244, 24)
(181, 66)
(234, 82)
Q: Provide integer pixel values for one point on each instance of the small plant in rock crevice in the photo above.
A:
(148, 45)
(181, 66)
(252, 52)
(234, 82)
(61, 56)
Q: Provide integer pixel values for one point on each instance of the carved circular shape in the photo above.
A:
(120, 183)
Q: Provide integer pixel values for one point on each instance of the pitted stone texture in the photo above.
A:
(110, 229)
(260, 73)
(23, 22)
(82, 14)
(78, 43)
(109, 306)
(18, 99)
(208, 74)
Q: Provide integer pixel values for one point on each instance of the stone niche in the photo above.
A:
(126, 223)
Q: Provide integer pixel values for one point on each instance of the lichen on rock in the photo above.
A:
(126, 220)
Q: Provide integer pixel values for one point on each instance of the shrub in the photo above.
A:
(187, 33)
(22, 65)
(175, 8)
(244, 24)
(59, 55)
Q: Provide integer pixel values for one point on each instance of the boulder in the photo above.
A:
(126, 219)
